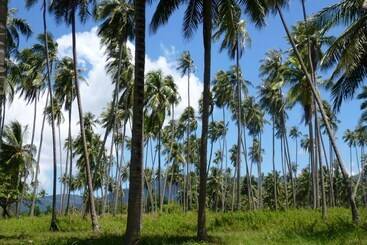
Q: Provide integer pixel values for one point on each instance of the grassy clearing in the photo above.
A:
(262, 227)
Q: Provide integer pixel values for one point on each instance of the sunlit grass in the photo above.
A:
(260, 227)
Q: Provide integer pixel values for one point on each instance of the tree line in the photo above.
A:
(181, 160)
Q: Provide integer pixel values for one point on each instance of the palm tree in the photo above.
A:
(256, 156)
(14, 28)
(65, 93)
(133, 229)
(349, 137)
(39, 50)
(3, 46)
(276, 7)
(16, 157)
(186, 66)
(116, 28)
(66, 10)
(347, 54)
(158, 90)
(295, 133)
(235, 39)
(193, 16)
(29, 3)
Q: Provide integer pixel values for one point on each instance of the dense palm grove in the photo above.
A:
(185, 160)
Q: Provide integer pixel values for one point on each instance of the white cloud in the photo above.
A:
(95, 94)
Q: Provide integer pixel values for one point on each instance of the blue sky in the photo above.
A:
(168, 42)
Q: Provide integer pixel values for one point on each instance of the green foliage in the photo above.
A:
(262, 227)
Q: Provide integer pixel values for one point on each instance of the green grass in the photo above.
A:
(261, 227)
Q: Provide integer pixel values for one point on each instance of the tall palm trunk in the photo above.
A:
(274, 170)
(106, 182)
(32, 143)
(188, 132)
(70, 150)
(239, 135)
(61, 174)
(95, 225)
(35, 181)
(160, 198)
(318, 145)
(133, 230)
(118, 170)
(347, 180)
(248, 175)
(330, 176)
(284, 168)
(53, 225)
(3, 20)
(207, 34)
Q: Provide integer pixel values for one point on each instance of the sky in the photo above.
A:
(162, 50)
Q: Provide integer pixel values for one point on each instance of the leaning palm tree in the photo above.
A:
(275, 6)
(66, 11)
(134, 213)
(235, 39)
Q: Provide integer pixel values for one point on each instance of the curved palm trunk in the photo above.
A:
(95, 225)
(207, 34)
(354, 209)
(133, 229)
(35, 181)
(53, 225)
(70, 150)
(3, 20)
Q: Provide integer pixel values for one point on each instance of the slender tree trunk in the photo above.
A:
(70, 150)
(95, 225)
(61, 174)
(239, 135)
(285, 175)
(106, 182)
(3, 42)
(53, 225)
(133, 229)
(160, 201)
(32, 143)
(248, 175)
(118, 171)
(330, 169)
(35, 181)
(274, 170)
(354, 209)
(318, 145)
(312, 162)
(207, 35)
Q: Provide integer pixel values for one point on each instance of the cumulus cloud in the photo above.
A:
(96, 93)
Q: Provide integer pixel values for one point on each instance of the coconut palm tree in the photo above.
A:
(235, 39)
(133, 228)
(14, 28)
(16, 158)
(117, 26)
(276, 7)
(347, 53)
(66, 11)
(65, 93)
(196, 13)
(159, 90)
(295, 133)
(186, 67)
(349, 137)
(48, 70)
(256, 157)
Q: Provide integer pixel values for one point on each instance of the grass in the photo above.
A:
(261, 227)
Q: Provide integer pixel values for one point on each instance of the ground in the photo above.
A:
(260, 227)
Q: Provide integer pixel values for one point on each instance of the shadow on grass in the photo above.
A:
(118, 239)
